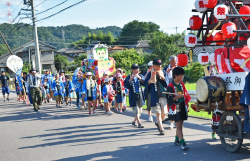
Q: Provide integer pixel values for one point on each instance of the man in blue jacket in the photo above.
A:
(134, 83)
(155, 84)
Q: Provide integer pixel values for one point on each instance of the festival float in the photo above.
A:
(97, 61)
(225, 25)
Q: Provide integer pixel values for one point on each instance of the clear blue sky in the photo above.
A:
(100, 13)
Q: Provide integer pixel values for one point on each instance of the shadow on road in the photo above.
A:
(199, 151)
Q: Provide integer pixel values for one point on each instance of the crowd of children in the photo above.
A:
(90, 90)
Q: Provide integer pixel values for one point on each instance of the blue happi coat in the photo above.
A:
(85, 91)
(245, 102)
(132, 95)
(61, 90)
(150, 88)
(49, 79)
(70, 87)
(20, 83)
(105, 90)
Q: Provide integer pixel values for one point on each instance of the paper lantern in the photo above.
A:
(210, 38)
(195, 22)
(219, 37)
(182, 59)
(190, 40)
(210, 3)
(244, 10)
(199, 6)
(220, 11)
(203, 58)
(227, 30)
(212, 58)
(215, 20)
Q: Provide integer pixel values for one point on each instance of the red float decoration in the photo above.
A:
(213, 21)
(244, 10)
(210, 38)
(182, 59)
(210, 3)
(228, 28)
(219, 37)
(195, 22)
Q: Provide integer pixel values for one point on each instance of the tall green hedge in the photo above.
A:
(193, 72)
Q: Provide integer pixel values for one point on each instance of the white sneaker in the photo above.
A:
(150, 119)
(171, 126)
(110, 113)
(92, 114)
(106, 112)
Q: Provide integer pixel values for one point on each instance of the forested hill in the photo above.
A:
(19, 34)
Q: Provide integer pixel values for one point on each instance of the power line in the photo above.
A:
(41, 3)
(52, 7)
(62, 10)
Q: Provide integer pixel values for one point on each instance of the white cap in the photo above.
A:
(119, 75)
(150, 63)
(89, 73)
(106, 80)
(105, 73)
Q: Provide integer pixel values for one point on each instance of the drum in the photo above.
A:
(212, 87)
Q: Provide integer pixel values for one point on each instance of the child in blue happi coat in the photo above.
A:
(45, 90)
(106, 91)
(68, 91)
(89, 92)
(78, 89)
(58, 90)
(21, 86)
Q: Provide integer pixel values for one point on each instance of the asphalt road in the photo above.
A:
(70, 134)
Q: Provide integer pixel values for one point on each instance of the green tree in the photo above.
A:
(110, 38)
(61, 62)
(125, 58)
(3, 49)
(135, 30)
(100, 35)
(164, 45)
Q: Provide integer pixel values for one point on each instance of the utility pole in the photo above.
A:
(37, 51)
(6, 43)
(176, 29)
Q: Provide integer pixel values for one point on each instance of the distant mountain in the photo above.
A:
(19, 34)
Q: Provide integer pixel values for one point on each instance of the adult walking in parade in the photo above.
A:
(33, 87)
(169, 69)
(155, 84)
(145, 74)
(134, 83)
(5, 81)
